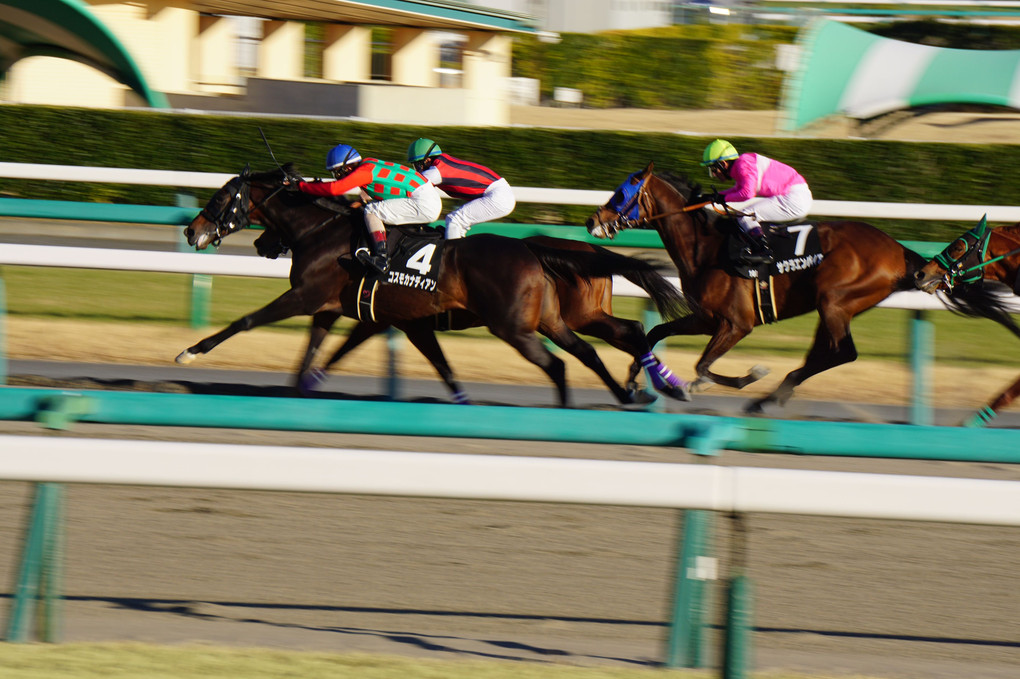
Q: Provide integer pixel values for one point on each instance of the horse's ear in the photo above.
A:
(982, 226)
(648, 170)
(247, 170)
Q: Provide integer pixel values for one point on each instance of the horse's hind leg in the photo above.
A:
(529, 346)
(288, 304)
(565, 338)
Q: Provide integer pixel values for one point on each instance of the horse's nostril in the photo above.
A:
(590, 223)
(918, 275)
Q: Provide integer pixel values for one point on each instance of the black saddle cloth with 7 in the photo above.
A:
(795, 247)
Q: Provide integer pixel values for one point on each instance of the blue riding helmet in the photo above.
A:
(342, 155)
(624, 201)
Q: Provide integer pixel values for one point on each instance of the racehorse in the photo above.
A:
(972, 275)
(857, 266)
(501, 281)
(586, 309)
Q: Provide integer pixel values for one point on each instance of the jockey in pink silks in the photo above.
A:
(776, 192)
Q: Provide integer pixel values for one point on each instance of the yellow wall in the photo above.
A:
(181, 52)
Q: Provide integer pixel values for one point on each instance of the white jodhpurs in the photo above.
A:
(497, 201)
(421, 207)
(785, 208)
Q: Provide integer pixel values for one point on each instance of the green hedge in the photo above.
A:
(678, 67)
(837, 169)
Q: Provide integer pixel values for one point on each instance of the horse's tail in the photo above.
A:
(979, 300)
(602, 263)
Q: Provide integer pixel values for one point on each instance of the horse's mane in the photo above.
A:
(682, 183)
(338, 204)
(1010, 230)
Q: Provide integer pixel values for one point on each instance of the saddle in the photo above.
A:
(415, 254)
(795, 247)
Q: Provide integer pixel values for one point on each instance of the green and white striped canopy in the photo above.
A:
(844, 70)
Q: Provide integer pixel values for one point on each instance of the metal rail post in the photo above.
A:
(922, 339)
(685, 644)
(201, 284)
(736, 661)
(39, 580)
(3, 333)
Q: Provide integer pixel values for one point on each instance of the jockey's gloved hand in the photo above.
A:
(715, 197)
(292, 185)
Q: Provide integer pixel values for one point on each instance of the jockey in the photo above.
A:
(392, 193)
(487, 194)
(777, 192)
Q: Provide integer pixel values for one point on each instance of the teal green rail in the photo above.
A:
(180, 216)
(701, 433)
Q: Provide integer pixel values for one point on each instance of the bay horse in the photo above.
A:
(586, 309)
(504, 282)
(974, 276)
(859, 267)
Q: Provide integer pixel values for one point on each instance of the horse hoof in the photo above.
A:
(185, 357)
(701, 384)
(641, 398)
(758, 372)
(679, 393)
(754, 408)
(308, 382)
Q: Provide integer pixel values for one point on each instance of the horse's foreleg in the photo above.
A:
(307, 380)
(361, 332)
(530, 347)
(826, 352)
(725, 338)
(990, 411)
(286, 305)
(423, 337)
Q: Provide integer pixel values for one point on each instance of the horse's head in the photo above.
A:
(624, 209)
(960, 262)
(232, 207)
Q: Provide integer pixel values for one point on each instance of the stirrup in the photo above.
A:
(376, 262)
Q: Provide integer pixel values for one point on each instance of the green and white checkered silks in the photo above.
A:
(844, 70)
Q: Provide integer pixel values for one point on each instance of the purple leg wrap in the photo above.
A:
(661, 376)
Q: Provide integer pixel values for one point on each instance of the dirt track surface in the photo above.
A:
(956, 127)
(537, 582)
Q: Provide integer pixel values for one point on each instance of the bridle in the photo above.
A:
(975, 244)
(236, 213)
(641, 200)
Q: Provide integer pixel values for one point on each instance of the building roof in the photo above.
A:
(67, 29)
(432, 14)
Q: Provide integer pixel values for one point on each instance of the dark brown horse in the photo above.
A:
(504, 282)
(585, 308)
(859, 267)
(974, 275)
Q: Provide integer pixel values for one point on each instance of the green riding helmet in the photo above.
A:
(718, 151)
(422, 148)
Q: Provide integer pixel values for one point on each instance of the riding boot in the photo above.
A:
(758, 250)
(378, 260)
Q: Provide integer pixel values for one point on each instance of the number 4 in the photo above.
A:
(421, 261)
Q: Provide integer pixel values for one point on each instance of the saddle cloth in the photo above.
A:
(795, 247)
